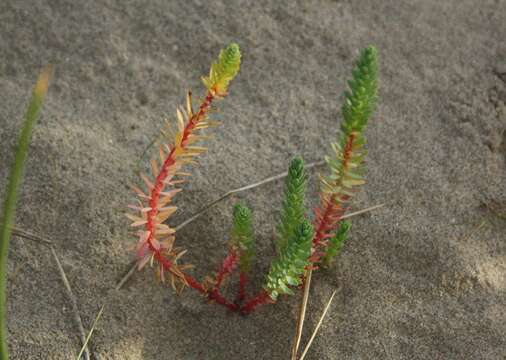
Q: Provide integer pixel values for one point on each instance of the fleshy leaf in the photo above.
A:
(290, 264)
(223, 71)
(242, 236)
(336, 242)
(293, 210)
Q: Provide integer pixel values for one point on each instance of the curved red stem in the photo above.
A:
(227, 267)
(195, 284)
(164, 171)
(261, 299)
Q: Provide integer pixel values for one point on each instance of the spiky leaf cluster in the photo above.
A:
(223, 71)
(288, 268)
(293, 210)
(346, 166)
(349, 153)
(346, 163)
(336, 242)
(242, 236)
(360, 100)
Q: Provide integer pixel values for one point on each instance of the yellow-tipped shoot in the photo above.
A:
(153, 208)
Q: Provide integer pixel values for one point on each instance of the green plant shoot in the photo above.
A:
(293, 209)
(16, 175)
(336, 243)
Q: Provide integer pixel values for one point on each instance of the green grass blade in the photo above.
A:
(97, 318)
(16, 174)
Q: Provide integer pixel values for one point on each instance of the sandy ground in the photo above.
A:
(422, 278)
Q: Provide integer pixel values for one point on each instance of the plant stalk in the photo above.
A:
(15, 178)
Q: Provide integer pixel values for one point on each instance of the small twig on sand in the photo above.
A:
(318, 326)
(244, 188)
(124, 279)
(359, 212)
(307, 284)
(83, 349)
(118, 286)
(75, 310)
(73, 301)
(29, 236)
(302, 315)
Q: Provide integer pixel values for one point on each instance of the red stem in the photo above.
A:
(332, 211)
(215, 295)
(169, 161)
(193, 283)
(261, 299)
(159, 185)
(326, 221)
(167, 266)
(227, 266)
(241, 294)
(153, 204)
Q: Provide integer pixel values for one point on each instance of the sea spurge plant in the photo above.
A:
(156, 239)
(300, 245)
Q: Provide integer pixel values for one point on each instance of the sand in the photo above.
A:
(422, 278)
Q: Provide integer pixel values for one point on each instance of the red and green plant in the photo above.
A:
(300, 244)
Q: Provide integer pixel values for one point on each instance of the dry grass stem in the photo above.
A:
(29, 236)
(318, 325)
(359, 212)
(302, 315)
(307, 284)
(75, 310)
(73, 301)
(83, 349)
(244, 188)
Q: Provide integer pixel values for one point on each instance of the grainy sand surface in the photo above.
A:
(422, 278)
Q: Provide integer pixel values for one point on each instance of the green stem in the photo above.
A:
(16, 175)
